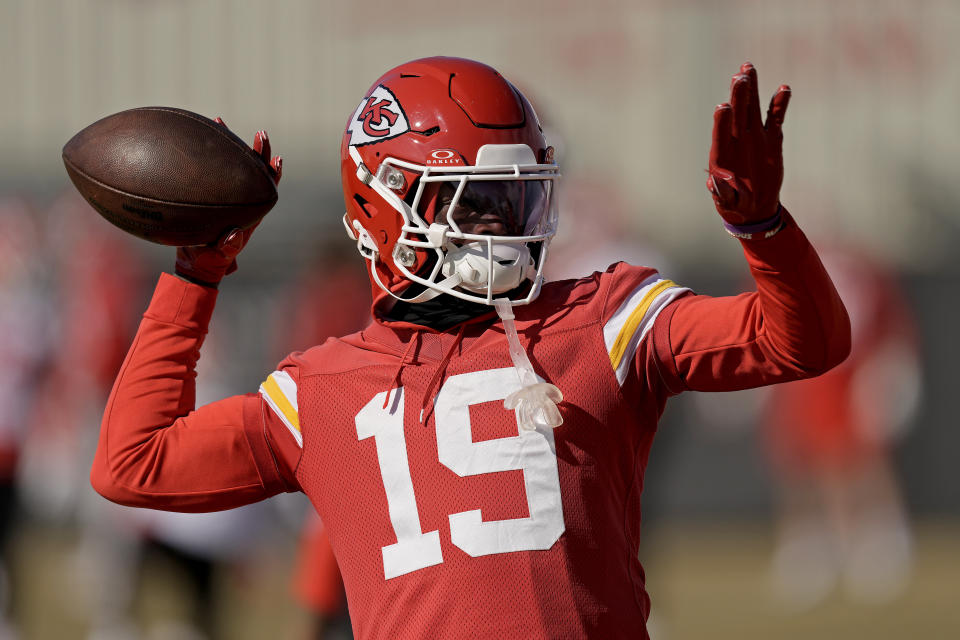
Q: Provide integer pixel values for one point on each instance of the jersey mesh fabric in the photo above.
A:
(589, 582)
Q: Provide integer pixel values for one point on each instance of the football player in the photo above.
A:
(477, 452)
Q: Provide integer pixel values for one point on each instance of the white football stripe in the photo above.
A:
(280, 392)
(639, 301)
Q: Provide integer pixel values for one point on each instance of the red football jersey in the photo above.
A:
(446, 518)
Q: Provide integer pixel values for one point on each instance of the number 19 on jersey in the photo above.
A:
(531, 451)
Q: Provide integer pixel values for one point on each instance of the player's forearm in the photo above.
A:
(154, 450)
(794, 326)
(799, 307)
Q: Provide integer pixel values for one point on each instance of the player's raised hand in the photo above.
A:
(208, 264)
(746, 156)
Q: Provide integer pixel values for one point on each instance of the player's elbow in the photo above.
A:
(815, 345)
(838, 342)
(834, 347)
(103, 483)
(109, 482)
(110, 487)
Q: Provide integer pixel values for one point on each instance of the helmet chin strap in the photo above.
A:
(423, 296)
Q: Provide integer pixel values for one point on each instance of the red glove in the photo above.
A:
(207, 264)
(746, 157)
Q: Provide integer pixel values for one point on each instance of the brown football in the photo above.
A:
(169, 176)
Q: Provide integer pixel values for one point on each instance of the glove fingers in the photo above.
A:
(720, 149)
(778, 108)
(739, 103)
(754, 121)
(261, 146)
(276, 164)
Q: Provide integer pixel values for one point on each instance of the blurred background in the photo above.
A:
(827, 509)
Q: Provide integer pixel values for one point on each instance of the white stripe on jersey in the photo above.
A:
(624, 331)
(280, 392)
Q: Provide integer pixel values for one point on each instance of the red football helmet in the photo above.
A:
(449, 183)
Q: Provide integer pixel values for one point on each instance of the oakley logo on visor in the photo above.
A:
(378, 117)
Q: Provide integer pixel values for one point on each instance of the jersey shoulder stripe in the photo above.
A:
(624, 331)
(280, 392)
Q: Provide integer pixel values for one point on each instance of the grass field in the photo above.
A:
(706, 581)
(711, 583)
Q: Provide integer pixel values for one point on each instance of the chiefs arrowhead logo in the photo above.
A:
(379, 117)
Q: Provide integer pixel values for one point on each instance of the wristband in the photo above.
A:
(761, 229)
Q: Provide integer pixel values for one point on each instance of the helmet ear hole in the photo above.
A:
(365, 206)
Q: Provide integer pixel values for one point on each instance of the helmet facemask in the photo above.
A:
(485, 228)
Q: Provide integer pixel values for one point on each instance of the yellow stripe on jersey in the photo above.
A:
(281, 405)
(634, 320)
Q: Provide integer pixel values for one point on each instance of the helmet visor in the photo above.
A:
(494, 207)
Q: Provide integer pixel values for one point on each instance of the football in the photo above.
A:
(169, 176)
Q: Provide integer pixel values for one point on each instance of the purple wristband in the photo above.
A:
(767, 227)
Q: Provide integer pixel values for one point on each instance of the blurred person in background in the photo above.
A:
(95, 305)
(318, 585)
(830, 440)
(26, 347)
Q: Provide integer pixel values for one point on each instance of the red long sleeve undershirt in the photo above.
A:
(794, 326)
(156, 451)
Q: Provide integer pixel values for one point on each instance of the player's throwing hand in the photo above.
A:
(746, 157)
(208, 264)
